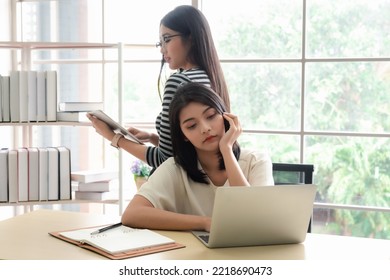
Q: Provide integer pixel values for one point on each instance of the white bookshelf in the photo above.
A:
(25, 49)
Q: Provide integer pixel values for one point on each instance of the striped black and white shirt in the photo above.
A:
(155, 155)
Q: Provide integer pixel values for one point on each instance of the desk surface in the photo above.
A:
(26, 237)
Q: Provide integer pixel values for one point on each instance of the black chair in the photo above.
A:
(293, 173)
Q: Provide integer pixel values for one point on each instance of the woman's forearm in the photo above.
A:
(140, 216)
(235, 175)
(137, 150)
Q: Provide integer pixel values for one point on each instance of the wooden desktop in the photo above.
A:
(26, 237)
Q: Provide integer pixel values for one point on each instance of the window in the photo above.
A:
(310, 82)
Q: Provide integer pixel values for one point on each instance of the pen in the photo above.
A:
(106, 228)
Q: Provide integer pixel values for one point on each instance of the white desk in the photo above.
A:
(26, 237)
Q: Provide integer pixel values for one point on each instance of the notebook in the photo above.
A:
(120, 242)
(263, 215)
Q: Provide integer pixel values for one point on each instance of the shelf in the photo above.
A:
(26, 49)
(45, 123)
(65, 45)
(50, 202)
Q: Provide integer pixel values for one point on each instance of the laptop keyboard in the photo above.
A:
(205, 238)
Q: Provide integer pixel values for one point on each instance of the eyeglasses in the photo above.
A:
(166, 39)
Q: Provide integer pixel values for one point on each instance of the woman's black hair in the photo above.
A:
(193, 26)
(183, 151)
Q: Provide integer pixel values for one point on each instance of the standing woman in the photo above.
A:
(187, 46)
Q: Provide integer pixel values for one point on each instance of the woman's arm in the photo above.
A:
(235, 175)
(144, 136)
(140, 213)
(104, 130)
(233, 170)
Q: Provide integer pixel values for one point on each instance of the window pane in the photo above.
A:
(351, 170)
(5, 65)
(76, 82)
(348, 28)
(7, 137)
(261, 92)
(261, 29)
(85, 144)
(5, 21)
(61, 21)
(351, 222)
(67, 54)
(134, 53)
(348, 96)
(5, 54)
(281, 148)
(128, 22)
(140, 94)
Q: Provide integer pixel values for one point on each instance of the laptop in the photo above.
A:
(263, 215)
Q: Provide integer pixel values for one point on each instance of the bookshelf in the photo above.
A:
(22, 59)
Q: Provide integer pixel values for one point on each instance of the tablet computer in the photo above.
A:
(116, 127)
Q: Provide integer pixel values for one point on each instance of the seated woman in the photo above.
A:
(180, 193)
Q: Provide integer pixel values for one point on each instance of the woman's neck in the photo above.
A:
(210, 165)
(207, 159)
(188, 66)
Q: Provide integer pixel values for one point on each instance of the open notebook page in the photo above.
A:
(120, 239)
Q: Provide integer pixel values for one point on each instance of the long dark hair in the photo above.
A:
(183, 151)
(192, 24)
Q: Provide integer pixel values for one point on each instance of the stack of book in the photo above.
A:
(35, 174)
(28, 96)
(76, 111)
(95, 185)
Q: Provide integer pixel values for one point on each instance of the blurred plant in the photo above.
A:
(140, 169)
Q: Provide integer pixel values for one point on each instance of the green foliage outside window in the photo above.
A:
(339, 97)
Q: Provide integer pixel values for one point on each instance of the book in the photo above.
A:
(98, 196)
(72, 117)
(13, 175)
(115, 126)
(22, 174)
(43, 174)
(64, 173)
(79, 106)
(88, 176)
(4, 175)
(33, 174)
(41, 96)
(14, 97)
(1, 98)
(32, 95)
(5, 98)
(120, 242)
(51, 96)
(53, 176)
(101, 186)
(23, 96)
